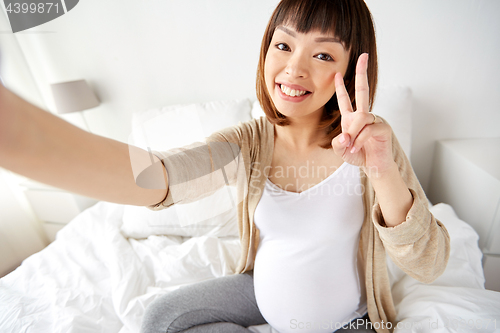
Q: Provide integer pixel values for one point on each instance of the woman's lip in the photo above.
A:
(292, 86)
(290, 98)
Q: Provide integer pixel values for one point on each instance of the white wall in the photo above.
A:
(448, 52)
(141, 55)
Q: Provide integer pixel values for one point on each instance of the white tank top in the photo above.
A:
(305, 271)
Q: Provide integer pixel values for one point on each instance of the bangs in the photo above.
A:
(328, 17)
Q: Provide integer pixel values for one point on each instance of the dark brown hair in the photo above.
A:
(348, 20)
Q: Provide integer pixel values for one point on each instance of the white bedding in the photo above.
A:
(93, 279)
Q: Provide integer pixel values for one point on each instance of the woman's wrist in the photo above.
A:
(382, 173)
(394, 198)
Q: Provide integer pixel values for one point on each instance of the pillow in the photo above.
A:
(464, 269)
(456, 300)
(257, 111)
(393, 103)
(176, 126)
(179, 125)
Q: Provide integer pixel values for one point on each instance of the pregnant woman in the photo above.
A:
(324, 190)
(330, 191)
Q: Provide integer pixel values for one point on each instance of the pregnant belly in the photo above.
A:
(308, 291)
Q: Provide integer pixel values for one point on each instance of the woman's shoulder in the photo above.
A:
(255, 131)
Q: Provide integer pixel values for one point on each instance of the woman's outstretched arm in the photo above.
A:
(43, 147)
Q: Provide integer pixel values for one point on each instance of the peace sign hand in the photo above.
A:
(365, 141)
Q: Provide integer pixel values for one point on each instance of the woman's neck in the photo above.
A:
(301, 135)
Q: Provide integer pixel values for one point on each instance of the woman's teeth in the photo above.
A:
(291, 92)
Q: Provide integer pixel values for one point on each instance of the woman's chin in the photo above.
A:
(298, 112)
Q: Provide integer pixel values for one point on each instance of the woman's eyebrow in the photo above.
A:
(318, 40)
(327, 39)
(288, 31)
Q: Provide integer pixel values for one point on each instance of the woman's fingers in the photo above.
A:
(340, 143)
(362, 92)
(342, 95)
(361, 84)
(354, 122)
(359, 122)
(368, 132)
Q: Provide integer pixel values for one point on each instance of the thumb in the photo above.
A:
(340, 143)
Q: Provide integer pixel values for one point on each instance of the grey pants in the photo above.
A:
(221, 305)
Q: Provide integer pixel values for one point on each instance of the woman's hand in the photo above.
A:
(365, 141)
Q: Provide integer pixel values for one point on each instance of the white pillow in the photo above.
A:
(456, 301)
(177, 126)
(393, 103)
(257, 111)
(464, 267)
(463, 275)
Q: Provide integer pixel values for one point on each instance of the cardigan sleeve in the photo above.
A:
(420, 245)
(200, 169)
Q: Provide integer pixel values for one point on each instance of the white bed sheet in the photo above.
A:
(93, 279)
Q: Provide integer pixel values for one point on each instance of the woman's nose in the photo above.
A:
(297, 66)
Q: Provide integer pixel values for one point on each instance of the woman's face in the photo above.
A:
(300, 70)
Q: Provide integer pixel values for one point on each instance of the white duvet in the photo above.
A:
(94, 279)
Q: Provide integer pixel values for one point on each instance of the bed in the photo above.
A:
(112, 260)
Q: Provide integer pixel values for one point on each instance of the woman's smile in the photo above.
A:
(292, 92)
(300, 70)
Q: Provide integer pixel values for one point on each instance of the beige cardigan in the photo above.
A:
(420, 245)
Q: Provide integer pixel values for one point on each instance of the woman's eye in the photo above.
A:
(282, 47)
(324, 56)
